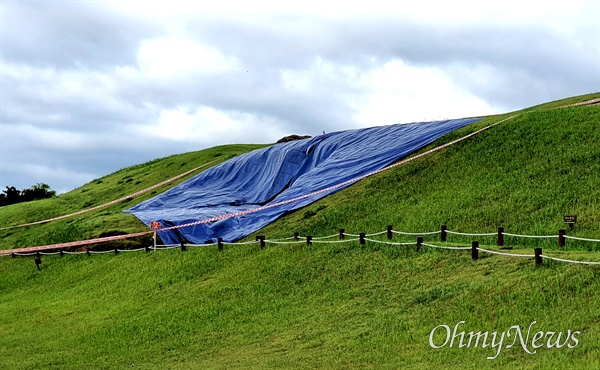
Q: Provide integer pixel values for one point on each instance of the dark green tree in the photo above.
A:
(37, 191)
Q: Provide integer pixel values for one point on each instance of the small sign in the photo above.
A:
(155, 225)
(570, 219)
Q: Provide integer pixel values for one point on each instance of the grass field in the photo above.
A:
(330, 305)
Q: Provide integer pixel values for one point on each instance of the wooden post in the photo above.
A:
(262, 241)
(38, 261)
(342, 231)
(390, 235)
(538, 256)
(308, 240)
(87, 250)
(296, 236)
(561, 238)
(500, 237)
(62, 253)
(419, 243)
(183, 247)
(220, 244)
(116, 252)
(443, 234)
(474, 250)
(361, 238)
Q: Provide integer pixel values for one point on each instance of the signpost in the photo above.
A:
(571, 220)
(155, 225)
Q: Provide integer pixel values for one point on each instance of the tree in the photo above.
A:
(11, 195)
(37, 191)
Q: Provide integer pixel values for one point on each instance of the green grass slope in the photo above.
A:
(347, 305)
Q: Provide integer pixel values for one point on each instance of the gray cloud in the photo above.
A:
(79, 99)
(70, 34)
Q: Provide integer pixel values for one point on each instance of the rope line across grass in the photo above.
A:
(133, 195)
(582, 239)
(467, 234)
(452, 248)
(415, 234)
(570, 261)
(531, 236)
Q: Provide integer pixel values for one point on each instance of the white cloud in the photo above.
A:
(398, 93)
(117, 83)
(206, 126)
(180, 58)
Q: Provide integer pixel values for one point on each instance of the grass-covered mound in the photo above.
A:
(332, 305)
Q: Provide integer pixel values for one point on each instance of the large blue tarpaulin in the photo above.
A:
(278, 173)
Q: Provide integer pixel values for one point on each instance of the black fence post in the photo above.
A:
(308, 240)
(419, 243)
(116, 252)
(390, 235)
(262, 241)
(38, 261)
(183, 247)
(475, 250)
(296, 236)
(538, 256)
(561, 238)
(62, 253)
(443, 234)
(500, 237)
(87, 251)
(220, 244)
(361, 238)
(342, 231)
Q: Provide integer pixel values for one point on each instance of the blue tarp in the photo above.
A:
(277, 173)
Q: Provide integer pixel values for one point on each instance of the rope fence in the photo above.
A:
(361, 238)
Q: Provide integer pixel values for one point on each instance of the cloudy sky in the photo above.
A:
(89, 87)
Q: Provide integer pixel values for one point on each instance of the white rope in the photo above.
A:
(101, 252)
(582, 239)
(282, 239)
(571, 261)
(355, 235)
(243, 243)
(334, 241)
(417, 234)
(49, 253)
(532, 236)
(326, 237)
(278, 242)
(467, 234)
(506, 254)
(375, 234)
(131, 250)
(25, 254)
(65, 252)
(390, 243)
(440, 247)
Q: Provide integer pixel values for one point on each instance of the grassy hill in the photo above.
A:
(329, 305)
